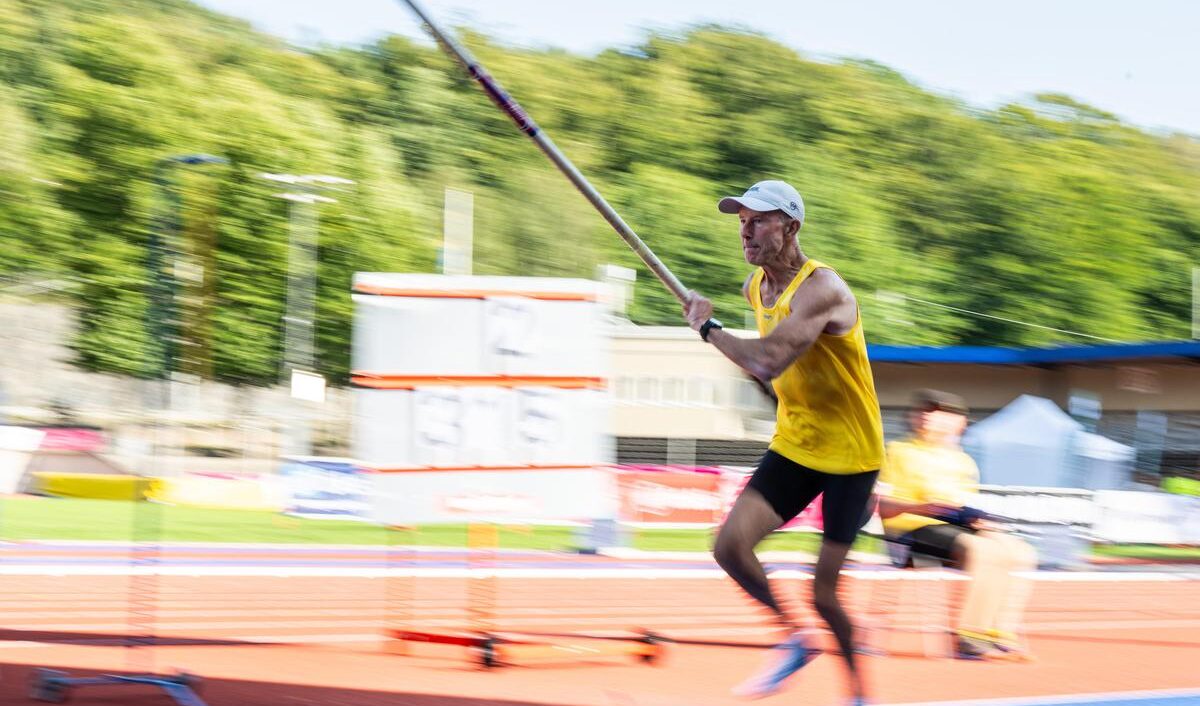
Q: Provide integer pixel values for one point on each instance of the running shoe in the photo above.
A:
(786, 659)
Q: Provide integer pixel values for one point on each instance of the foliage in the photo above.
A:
(1050, 211)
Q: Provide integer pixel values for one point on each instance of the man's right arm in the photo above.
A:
(764, 386)
(890, 507)
(817, 300)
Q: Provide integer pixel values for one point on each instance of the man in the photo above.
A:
(828, 435)
(925, 494)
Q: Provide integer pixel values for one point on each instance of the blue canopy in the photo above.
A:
(988, 355)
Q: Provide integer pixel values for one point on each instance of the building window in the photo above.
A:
(673, 391)
(743, 393)
(748, 397)
(648, 390)
(701, 392)
(624, 389)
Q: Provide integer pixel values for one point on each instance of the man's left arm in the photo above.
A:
(814, 305)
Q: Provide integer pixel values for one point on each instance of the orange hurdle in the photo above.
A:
(499, 650)
(489, 646)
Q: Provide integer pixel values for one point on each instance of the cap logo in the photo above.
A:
(795, 206)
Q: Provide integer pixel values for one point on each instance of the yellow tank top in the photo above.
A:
(917, 472)
(828, 414)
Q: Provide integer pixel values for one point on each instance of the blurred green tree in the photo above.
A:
(1049, 211)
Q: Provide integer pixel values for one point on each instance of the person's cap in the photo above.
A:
(937, 400)
(770, 195)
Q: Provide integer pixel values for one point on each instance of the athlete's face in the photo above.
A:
(764, 235)
(936, 426)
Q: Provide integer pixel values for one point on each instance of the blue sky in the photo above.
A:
(1140, 60)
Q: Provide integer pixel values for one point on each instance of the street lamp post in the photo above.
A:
(299, 338)
(164, 256)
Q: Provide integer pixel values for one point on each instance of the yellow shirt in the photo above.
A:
(916, 472)
(828, 414)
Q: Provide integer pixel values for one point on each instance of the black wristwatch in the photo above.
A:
(709, 326)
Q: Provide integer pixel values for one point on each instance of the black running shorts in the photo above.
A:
(789, 487)
(937, 540)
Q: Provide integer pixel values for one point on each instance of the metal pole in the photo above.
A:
(160, 313)
(298, 351)
(301, 294)
(163, 256)
(457, 232)
(526, 125)
(299, 319)
(163, 251)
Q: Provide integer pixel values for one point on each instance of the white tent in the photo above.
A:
(1101, 463)
(1032, 442)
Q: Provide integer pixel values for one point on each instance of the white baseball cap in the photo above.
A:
(770, 195)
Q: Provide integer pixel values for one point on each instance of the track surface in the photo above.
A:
(267, 625)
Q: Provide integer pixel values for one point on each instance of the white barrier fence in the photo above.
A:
(1063, 506)
(1131, 517)
(1108, 516)
(677, 497)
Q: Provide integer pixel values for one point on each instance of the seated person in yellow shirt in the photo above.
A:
(925, 490)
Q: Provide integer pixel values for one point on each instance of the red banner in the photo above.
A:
(679, 494)
(669, 496)
(72, 439)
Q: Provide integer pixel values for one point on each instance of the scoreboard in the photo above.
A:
(482, 398)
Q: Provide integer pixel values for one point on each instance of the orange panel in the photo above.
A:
(472, 293)
(408, 382)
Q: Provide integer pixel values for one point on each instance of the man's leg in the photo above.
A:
(778, 491)
(1021, 557)
(984, 569)
(846, 508)
(750, 520)
(825, 599)
(983, 560)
